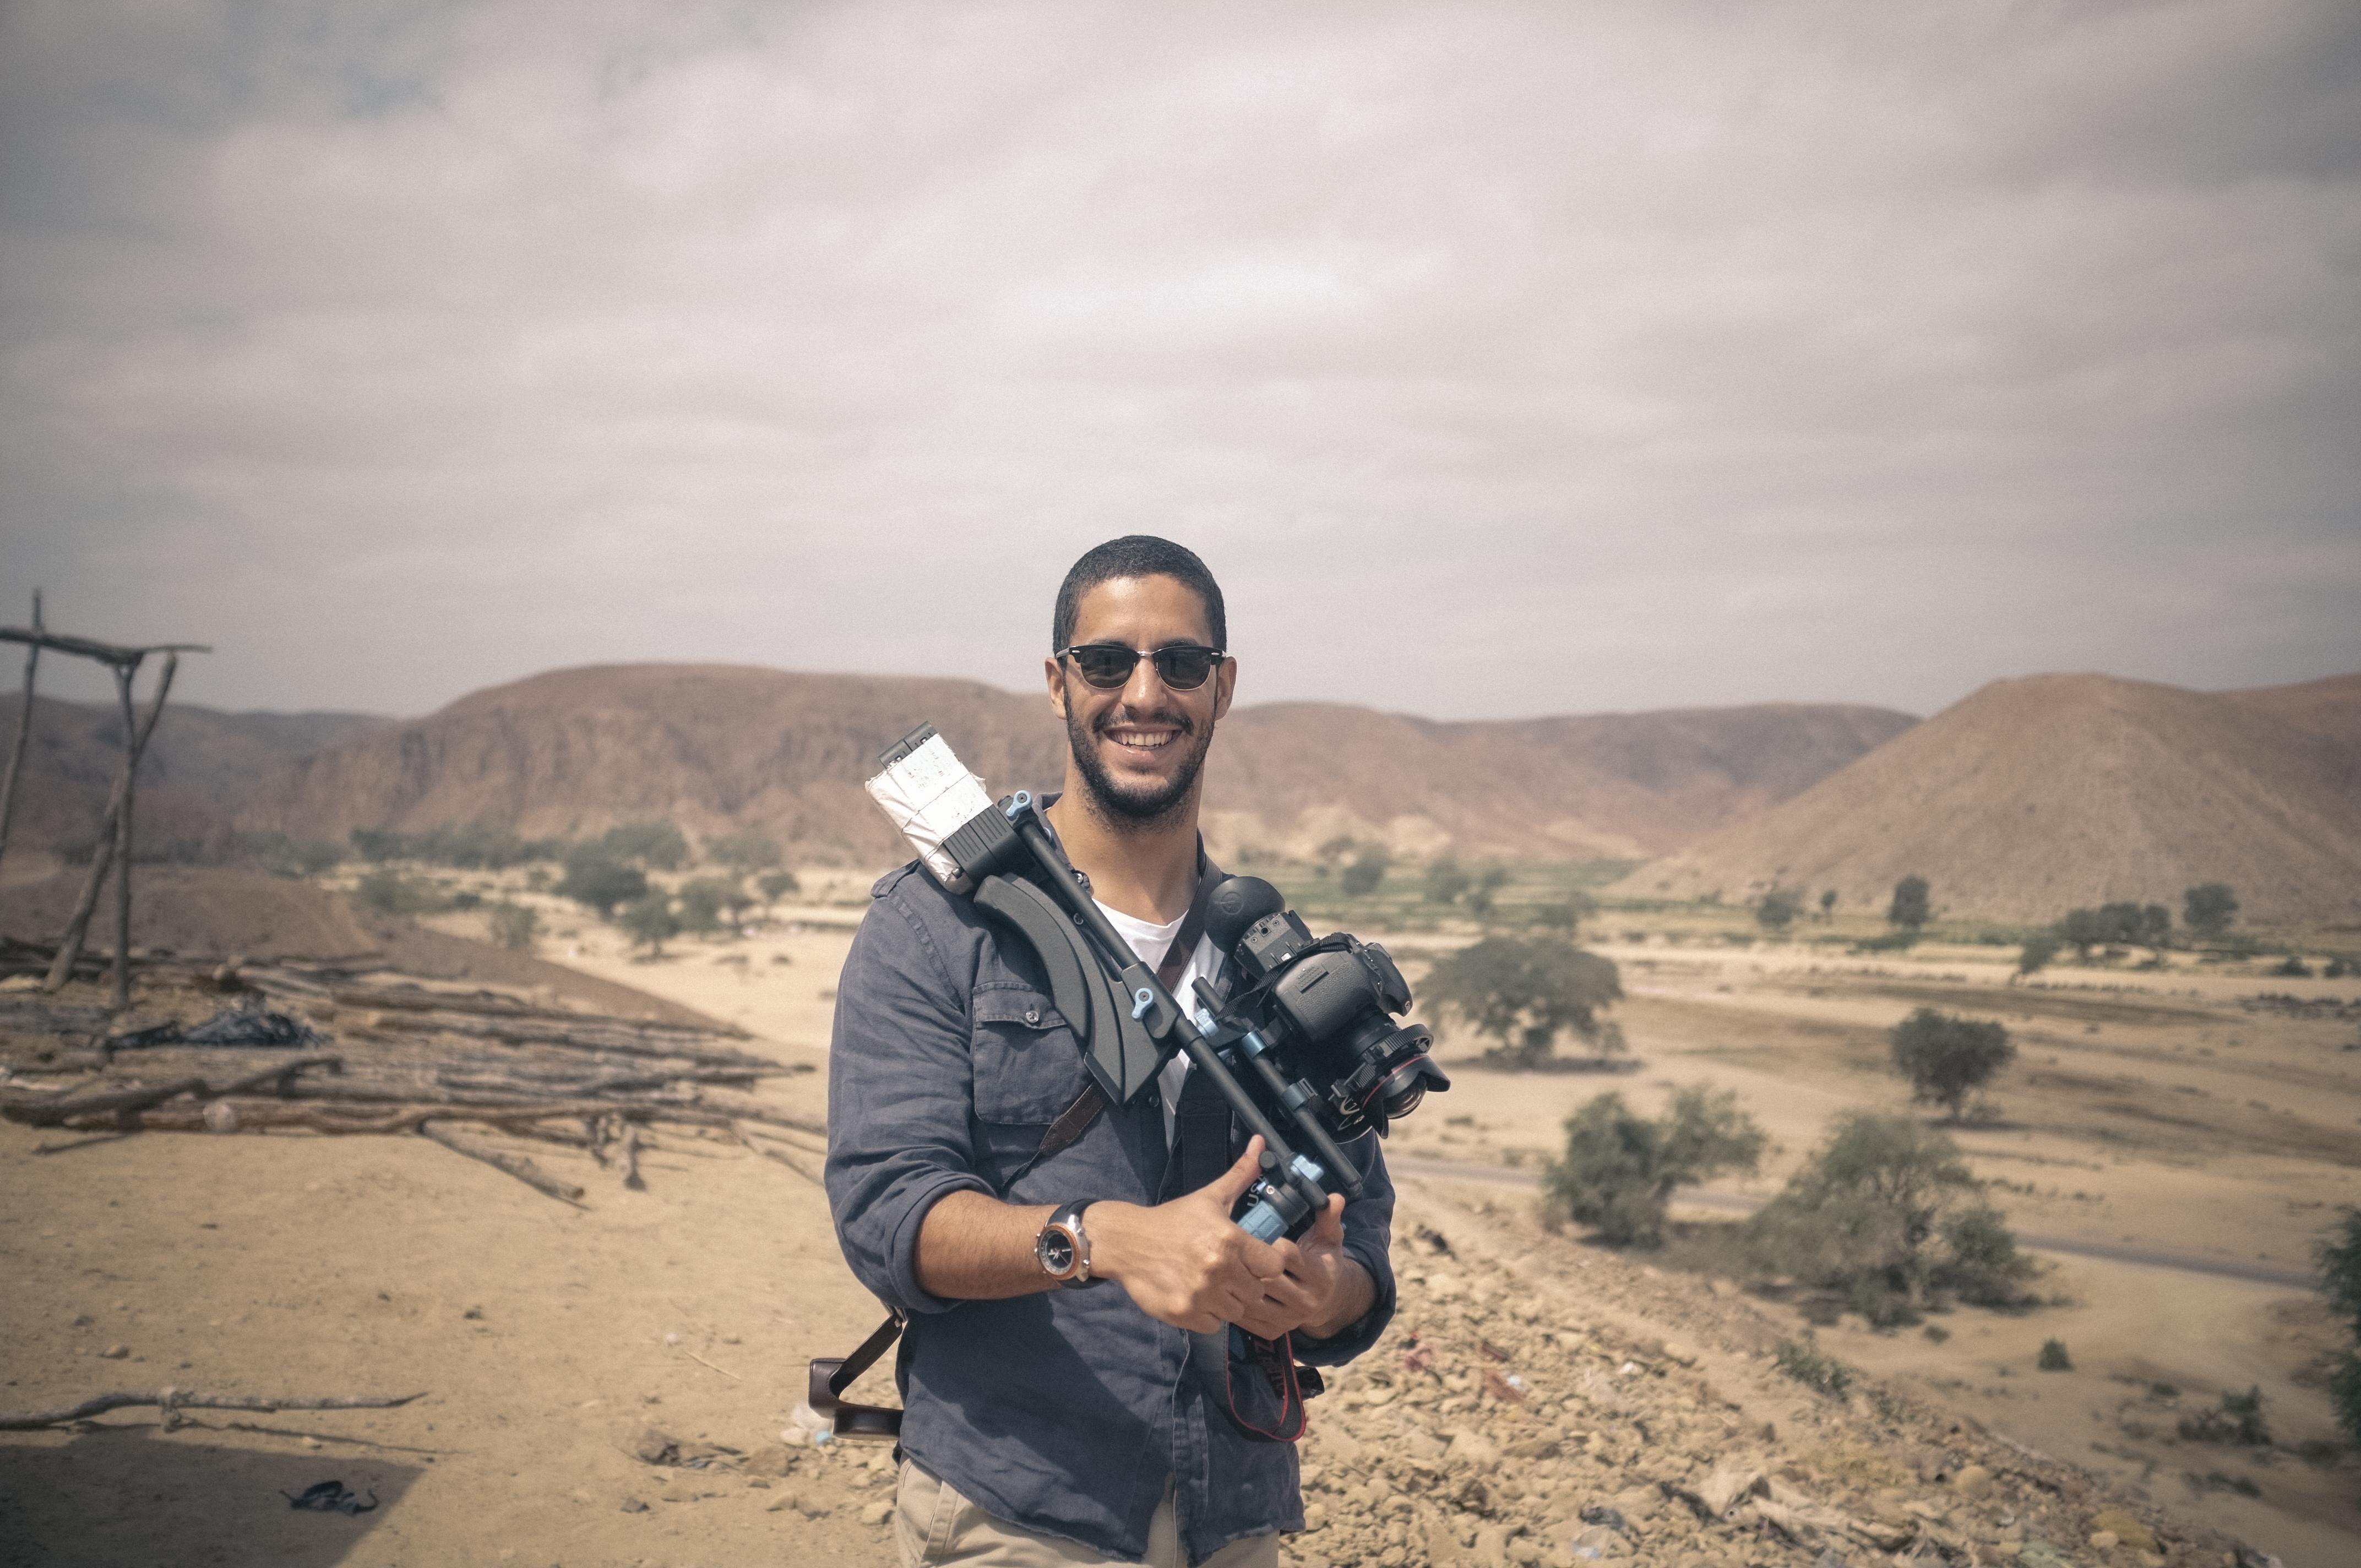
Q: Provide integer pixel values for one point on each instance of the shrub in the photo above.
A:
(1802, 1360)
(656, 845)
(2208, 909)
(2238, 1419)
(1890, 942)
(2038, 949)
(1910, 908)
(2053, 1357)
(2293, 967)
(747, 850)
(1367, 869)
(1620, 1169)
(775, 885)
(597, 879)
(513, 926)
(1887, 1202)
(389, 892)
(2339, 1254)
(651, 923)
(476, 846)
(1446, 881)
(1525, 991)
(1946, 1059)
(702, 902)
(1777, 909)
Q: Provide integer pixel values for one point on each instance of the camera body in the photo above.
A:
(1325, 1011)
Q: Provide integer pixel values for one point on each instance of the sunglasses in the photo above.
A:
(1108, 665)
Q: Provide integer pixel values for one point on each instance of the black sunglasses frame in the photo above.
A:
(1163, 658)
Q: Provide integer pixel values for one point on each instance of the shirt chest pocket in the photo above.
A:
(1028, 1065)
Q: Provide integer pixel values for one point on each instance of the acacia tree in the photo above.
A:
(1367, 869)
(1828, 905)
(1778, 908)
(1525, 991)
(1621, 1168)
(651, 922)
(2340, 1268)
(1909, 909)
(2208, 908)
(1946, 1059)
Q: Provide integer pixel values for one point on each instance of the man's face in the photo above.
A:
(1139, 747)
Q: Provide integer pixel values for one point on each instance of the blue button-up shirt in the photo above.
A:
(1063, 1412)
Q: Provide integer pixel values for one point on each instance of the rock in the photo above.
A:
(114, 1352)
(2124, 1527)
(220, 1116)
(2104, 1540)
(877, 1513)
(1421, 1444)
(1475, 1448)
(651, 1446)
(1720, 1491)
(1676, 1351)
(1972, 1481)
(633, 1506)
(1491, 1548)
(777, 1461)
(82, 1321)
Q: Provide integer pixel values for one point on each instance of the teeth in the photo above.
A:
(1142, 742)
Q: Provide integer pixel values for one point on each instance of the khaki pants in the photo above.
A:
(934, 1525)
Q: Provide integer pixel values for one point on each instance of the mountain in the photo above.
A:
(2033, 796)
(711, 747)
(193, 780)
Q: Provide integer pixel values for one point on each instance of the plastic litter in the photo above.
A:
(808, 1425)
(330, 1497)
(1600, 1514)
(230, 1026)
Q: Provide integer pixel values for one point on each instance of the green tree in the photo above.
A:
(1828, 905)
(775, 885)
(1621, 1168)
(746, 850)
(1365, 871)
(1887, 1213)
(2208, 908)
(1909, 909)
(2034, 956)
(513, 926)
(1525, 991)
(597, 879)
(1446, 881)
(658, 845)
(1488, 882)
(702, 901)
(1777, 909)
(1946, 1059)
(2339, 1253)
(651, 923)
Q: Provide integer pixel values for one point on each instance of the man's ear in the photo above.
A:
(1225, 686)
(1054, 669)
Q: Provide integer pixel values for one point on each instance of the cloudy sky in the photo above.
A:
(1499, 358)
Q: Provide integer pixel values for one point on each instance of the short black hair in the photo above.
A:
(1136, 556)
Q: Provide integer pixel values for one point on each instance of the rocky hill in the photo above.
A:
(711, 747)
(199, 767)
(2033, 796)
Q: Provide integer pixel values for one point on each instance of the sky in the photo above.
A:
(1498, 358)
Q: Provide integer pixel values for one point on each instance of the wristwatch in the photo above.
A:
(1064, 1248)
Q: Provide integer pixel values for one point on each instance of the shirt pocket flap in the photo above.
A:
(1028, 1065)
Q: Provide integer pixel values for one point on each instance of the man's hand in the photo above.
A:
(1187, 1264)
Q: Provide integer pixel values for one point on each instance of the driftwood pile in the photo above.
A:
(320, 1048)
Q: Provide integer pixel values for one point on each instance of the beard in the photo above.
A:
(1135, 809)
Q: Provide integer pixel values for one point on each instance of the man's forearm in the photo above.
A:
(975, 1249)
(1358, 1294)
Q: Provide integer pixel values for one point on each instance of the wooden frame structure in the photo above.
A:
(114, 846)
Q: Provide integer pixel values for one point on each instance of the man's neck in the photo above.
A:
(1147, 872)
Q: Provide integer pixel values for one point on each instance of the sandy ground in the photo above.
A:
(546, 1337)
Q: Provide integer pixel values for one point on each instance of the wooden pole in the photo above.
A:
(123, 675)
(24, 731)
(110, 837)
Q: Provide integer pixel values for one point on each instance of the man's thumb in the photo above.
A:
(1241, 1176)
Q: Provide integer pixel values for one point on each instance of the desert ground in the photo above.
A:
(2171, 1143)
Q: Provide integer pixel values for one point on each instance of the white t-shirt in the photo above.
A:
(1151, 943)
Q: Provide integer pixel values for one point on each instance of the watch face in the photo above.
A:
(1056, 1251)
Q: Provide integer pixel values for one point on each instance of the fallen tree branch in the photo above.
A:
(631, 1156)
(515, 1165)
(770, 1151)
(172, 1401)
(53, 1111)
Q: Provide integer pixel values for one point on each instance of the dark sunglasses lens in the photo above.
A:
(1184, 669)
(1108, 667)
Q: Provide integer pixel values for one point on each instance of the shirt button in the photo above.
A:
(1032, 1015)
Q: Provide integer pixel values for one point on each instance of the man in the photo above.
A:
(1051, 1415)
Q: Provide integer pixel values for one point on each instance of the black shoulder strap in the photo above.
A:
(832, 1377)
(1076, 1119)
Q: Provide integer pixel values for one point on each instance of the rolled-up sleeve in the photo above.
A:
(899, 1097)
(1368, 1241)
